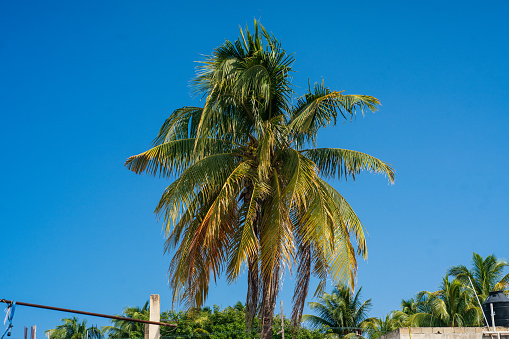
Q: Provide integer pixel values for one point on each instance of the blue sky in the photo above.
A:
(84, 85)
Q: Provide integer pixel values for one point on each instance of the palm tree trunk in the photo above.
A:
(301, 287)
(253, 294)
(270, 290)
(253, 279)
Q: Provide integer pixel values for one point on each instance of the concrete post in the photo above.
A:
(155, 315)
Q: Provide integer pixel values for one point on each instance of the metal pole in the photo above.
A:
(482, 311)
(492, 317)
(282, 322)
(88, 313)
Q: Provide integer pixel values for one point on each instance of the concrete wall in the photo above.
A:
(446, 333)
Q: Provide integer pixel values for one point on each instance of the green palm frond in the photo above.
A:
(486, 274)
(377, 327)
(452, 305)
(73, 329)
(339, 312)
(321, 107)
(182, 124)
(336, 162)
(205, 176)
(345, 215)
(173, 157)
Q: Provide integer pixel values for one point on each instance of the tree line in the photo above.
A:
(454, 304)
(336, 315)
(205, 322)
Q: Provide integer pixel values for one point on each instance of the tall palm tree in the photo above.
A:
(452, 305)
(73, 329)
(250, 189)
(339, 312)
(486, 274)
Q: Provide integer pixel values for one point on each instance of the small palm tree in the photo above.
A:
(451, 306)
(128, 329)
(409, 306)
(377, 327)
(419, 304)
(340, 312)
(487, 275)
(73, 329)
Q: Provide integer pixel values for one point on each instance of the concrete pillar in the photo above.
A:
(155, 315)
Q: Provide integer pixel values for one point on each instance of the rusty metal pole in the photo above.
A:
(88, 313)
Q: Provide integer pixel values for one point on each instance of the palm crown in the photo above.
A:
(250, 189)
(486, 275)
(339, 312)
(128, 329)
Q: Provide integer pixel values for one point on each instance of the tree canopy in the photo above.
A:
(340, 312)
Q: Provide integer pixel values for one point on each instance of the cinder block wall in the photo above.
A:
(446, 333)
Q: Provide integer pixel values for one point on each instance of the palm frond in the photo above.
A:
(321, 107)
(337, 162)
(182, 124)
(173, 157)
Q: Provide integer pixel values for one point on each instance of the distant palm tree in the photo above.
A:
(419, 304)
(486, 274)
(128, 329)
(451, 306)
(73, 329)
(377, 327)
(339, 312)
(122, 329)
(409, 306)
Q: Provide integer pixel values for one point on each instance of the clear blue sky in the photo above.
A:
(86, 84)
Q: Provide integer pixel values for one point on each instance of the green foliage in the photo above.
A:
(129, 329)
(376, 327)
(486, 275)
(205, 322)
(454, 303)
(293, 332)
(216, 323)
(73, 329)
(339, 312)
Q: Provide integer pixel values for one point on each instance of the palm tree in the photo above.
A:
(409, 306)
(73, 329)
(377, 327)
(128, 329)
(250, 191)
(451, 306)
(420, 304)
(486, 274)
(339, 312)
